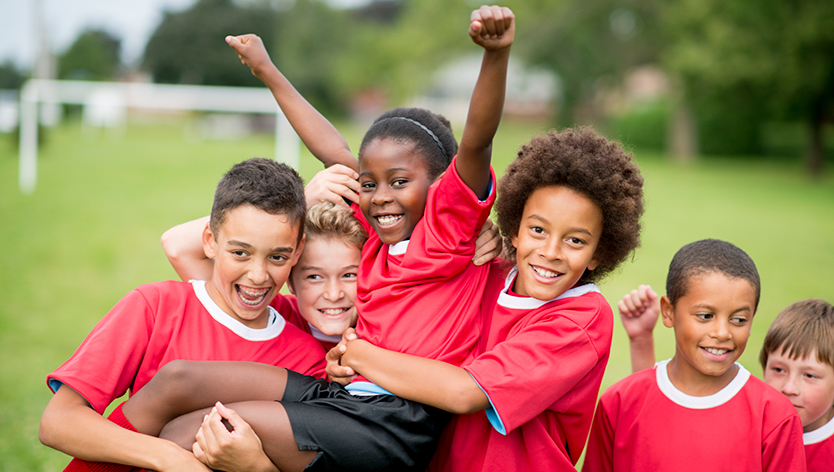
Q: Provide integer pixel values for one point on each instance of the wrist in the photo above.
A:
(644, 339)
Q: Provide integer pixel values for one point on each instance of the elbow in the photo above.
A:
(467, 400)
(47, 431)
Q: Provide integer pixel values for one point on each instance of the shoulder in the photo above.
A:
(774, 406)
(634, 386)
(159, 292)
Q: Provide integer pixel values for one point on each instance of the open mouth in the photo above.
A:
(716, 351)
(388, 220)
(333, 312)
(251, 296)
(544, 273)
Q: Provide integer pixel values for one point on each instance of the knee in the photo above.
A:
(174, 379)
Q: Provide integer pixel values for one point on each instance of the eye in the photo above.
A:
(810, 376)
(349, 275)
(314, 277)
(368, 186)
(576, 241)
(398, 182)
(704, 316)
(240, 253)
(537, 229)
(278, 258)
(738, 320)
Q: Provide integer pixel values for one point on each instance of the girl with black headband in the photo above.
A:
(423, 200)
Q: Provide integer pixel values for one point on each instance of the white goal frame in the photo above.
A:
(149, 96)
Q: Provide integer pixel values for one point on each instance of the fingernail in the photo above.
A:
(228, 39)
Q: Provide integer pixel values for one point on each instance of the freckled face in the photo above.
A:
(324, 280)
(808, 384)
(394, 183)
(253, 254)
(712, 324)
(556, 241)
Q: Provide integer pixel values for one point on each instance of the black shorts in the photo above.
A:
(363, 433)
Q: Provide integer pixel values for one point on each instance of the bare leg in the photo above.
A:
(268, 419)
(181, 387)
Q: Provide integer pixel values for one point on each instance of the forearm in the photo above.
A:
(427, 381)
(72, 427)
(319, 135)
(183, 247)
(485, 109)
(642, 352)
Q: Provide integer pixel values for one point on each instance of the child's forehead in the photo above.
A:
(717, 285)
(249, 219)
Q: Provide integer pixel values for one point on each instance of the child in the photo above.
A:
(570, 205)
(420, 296)
(797, 359)
(700, 406)
(255, 236)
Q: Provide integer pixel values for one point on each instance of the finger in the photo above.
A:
(343, 169)
(624, 312)
(488, 21)
(629, 301)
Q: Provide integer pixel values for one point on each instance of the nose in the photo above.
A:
(257, 272)
(790, 385)
(382, 195)
(551, 250)
(333, 291)
(721, 329)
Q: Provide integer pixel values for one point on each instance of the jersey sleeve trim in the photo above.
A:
(491, 412)
(363, 388)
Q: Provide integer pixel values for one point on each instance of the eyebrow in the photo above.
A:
(352, 266)
(543, 220)
(234, 242)
(710, 307)
(387, 171)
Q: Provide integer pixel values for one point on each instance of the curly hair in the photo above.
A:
(430, 133)
(589, 164)
(328, 220)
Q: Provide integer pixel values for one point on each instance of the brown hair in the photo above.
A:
(263, 183)
(587, 163)
(802, 327)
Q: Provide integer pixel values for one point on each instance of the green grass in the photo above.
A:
(90, 233)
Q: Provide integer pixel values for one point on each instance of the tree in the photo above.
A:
(10, 76)
(188, 47)
(93, 56)
(769, 57)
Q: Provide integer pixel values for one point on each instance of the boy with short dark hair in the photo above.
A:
(700, 406)
(255, 237)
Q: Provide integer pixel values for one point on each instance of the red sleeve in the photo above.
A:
(599, 454)
(357, 213)
(103, 367)
(782, 448)
(526, 374)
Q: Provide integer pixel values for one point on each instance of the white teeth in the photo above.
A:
(388, 220)
(333, 311)
(717, 352)
(258, 294)
(544, 272)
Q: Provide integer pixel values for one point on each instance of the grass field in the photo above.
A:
(90, 233)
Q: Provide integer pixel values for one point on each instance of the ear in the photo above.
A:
(514, 240)
(289, 283)
(667, 310)
(593, 264)
(209, 243)
(299, 249)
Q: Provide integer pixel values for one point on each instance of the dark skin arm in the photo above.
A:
(318, 134)
(493, 28)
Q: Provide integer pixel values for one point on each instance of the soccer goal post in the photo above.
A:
(111, 100)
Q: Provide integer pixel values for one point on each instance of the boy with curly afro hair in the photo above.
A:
(570, 207)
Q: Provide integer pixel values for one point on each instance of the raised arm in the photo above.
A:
(427, 381)
(318, 134)
(639, 310)
(493, 28)
(183, 246)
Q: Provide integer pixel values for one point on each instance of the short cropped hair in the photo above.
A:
(263, 183)
(802, 327)
(328, 220)
(708, 256)
(589, 164)
(429, 133)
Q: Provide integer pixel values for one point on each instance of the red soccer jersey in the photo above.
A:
(644, 423)
(541, 365)
(819, 448)
(422, 296)
(165, 321)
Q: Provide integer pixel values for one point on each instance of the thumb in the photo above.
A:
(233, 42)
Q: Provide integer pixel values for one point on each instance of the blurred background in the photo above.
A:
(727, 107)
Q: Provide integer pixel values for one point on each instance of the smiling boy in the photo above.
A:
(255, 236)
(699, 409)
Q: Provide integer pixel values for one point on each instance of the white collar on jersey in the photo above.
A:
(399, 248)
(820, 434)
(332, 338)
(274, 327)
(699, 403)
(529, 303)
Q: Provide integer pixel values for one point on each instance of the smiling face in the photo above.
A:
(253, 254)
(556, 241)
(808, 384)
(712, 324)
(394, 182)
(324, 280)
